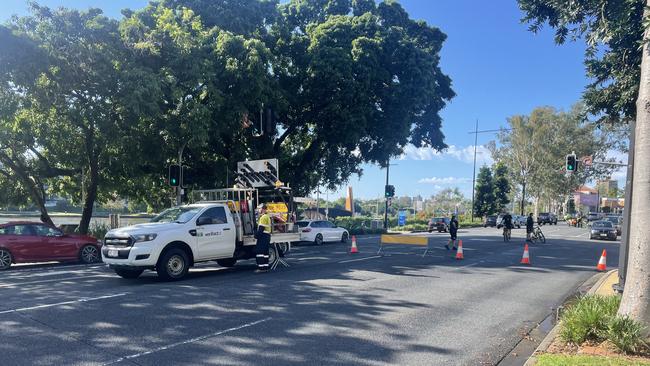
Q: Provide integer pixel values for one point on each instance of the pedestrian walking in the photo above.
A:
(530, 223)
(453, 231)
(263, 242)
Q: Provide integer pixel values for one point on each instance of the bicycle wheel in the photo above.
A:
(505, 236)
(542, 237)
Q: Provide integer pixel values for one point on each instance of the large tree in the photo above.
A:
(63, 66)
(618, 59)
(485, 201)
(501, 186)
(535, 147)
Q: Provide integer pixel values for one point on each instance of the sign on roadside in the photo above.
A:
(401, 218)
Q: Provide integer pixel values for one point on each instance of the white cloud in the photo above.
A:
(464, 154)
(442, 181)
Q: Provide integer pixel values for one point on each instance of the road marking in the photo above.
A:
(470, 265)
(62, 303)
(359, 259)
(3, 285)
(191, 340)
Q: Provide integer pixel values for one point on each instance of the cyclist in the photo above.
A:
(530, 224)
(507, 224)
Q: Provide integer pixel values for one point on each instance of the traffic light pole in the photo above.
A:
(386, 208)
(179, 189)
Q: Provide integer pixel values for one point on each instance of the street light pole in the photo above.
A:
(474, 171)
(386, 198)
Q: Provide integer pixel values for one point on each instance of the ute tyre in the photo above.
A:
(89, 254)
(344, 238)
(173, 265)
(5, 259)
(128, 273)
(319, 239)
(227, 262)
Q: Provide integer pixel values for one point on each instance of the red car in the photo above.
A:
(22, 242)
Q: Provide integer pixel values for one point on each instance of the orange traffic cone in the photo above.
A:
(602, 263)
(525, 259)
(459, 252)
(353, 248)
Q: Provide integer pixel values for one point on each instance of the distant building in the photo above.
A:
(608, 188)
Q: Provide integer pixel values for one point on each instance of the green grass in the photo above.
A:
(579, 360)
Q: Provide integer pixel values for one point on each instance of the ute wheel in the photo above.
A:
(318, 240)
(5, 259)
(173, 265)
(227, 262)
(344, 238)
(89, 254)
(128, 273)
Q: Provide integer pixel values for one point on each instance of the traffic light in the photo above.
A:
(571, 163)
(174, 175)
(390, 191)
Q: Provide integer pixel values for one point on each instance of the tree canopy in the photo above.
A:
(94, 108)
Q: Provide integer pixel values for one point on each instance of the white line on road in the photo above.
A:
(3, 285)
(191, 340)
(359, 259)
(63, 303)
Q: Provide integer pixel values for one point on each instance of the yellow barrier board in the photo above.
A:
(404, 239)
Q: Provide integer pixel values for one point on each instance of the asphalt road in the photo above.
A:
(328, 308)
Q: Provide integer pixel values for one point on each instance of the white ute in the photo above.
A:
(182, 236)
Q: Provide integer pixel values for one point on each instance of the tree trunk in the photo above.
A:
(89, 201)
(636, 296)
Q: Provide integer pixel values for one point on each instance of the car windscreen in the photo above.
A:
(600, 224)
(180, 215)
(302, 223)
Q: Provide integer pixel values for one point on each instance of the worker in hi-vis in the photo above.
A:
(263, 241)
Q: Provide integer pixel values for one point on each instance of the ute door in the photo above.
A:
(215, 234)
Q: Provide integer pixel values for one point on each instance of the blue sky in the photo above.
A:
(497, 67)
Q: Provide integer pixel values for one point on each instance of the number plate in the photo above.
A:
(603, 234)
(113, 253)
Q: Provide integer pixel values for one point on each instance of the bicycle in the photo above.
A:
(507, 234)
(537, 235)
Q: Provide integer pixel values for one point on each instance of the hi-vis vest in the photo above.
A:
(265, 221)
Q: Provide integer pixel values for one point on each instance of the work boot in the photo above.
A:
(454, 248)
(447, 246)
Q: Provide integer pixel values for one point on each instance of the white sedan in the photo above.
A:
(320, 231)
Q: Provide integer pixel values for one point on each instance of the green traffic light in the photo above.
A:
(173, 181)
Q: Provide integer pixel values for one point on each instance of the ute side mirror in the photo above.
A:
(204, 221)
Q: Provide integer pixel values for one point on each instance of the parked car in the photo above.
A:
(593, 216)
(602, 230)
(490, 221)
(519, 221)
(25, 242)
(546, 218)
(439, 223)
(320, 231)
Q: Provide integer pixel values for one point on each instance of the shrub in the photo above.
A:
(626, 334)
(98, 230)
(588, 318)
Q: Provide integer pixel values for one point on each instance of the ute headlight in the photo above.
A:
(144, 237)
